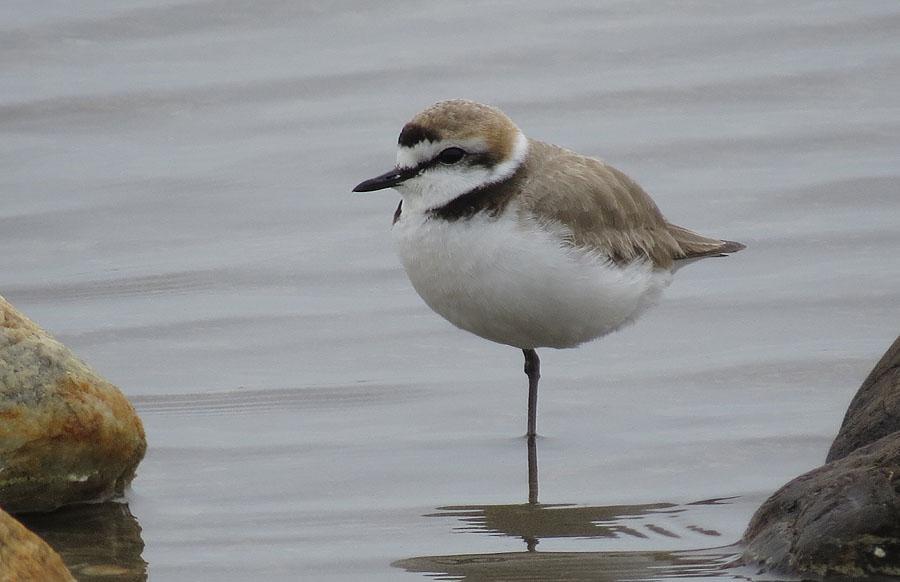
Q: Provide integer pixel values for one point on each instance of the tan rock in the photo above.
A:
(24, 556)
(66, 434)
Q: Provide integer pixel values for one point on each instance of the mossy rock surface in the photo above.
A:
(66, 434)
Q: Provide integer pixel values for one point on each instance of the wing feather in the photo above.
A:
(603, 210)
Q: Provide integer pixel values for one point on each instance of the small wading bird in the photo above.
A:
(522, 242)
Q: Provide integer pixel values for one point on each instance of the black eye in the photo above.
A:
(451, 155)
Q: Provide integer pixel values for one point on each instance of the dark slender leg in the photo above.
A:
(533, 370)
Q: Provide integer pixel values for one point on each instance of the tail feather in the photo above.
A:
(695, 246)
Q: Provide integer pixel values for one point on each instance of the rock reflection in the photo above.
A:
(98, 542)
(533, 521)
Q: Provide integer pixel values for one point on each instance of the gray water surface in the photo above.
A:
(175, 181)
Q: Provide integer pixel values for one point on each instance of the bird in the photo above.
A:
(526, 243)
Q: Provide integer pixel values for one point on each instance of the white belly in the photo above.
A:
(517, 284)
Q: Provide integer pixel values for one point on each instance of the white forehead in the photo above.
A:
(410, 157)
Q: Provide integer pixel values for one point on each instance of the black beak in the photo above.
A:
(386, 180)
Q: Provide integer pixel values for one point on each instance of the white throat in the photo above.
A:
(440, 184)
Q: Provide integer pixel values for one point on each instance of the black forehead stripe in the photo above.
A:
(414, 133)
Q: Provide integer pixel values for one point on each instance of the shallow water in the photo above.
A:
(175, 184)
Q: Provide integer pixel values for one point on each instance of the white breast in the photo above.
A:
(512, 282)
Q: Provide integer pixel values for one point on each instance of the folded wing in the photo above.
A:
(597, 207)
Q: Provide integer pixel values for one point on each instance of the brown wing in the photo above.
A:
(605, 210)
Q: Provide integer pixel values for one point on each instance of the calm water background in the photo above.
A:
(175, 182)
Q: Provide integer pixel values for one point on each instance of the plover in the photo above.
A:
(523, 242)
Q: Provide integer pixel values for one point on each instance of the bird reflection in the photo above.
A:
(530, 541)
(533, 521)
(532, 471)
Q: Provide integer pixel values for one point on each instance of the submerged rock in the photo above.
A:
(66, 434)
(842, 518)
(24, 556)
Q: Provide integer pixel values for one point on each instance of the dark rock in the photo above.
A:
(875, 410)
(843, 518)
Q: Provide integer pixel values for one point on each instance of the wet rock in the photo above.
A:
(842, 518)
(875, 410)
(24, 556)
(66, 434)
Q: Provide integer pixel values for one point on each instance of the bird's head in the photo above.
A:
(450, 149)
